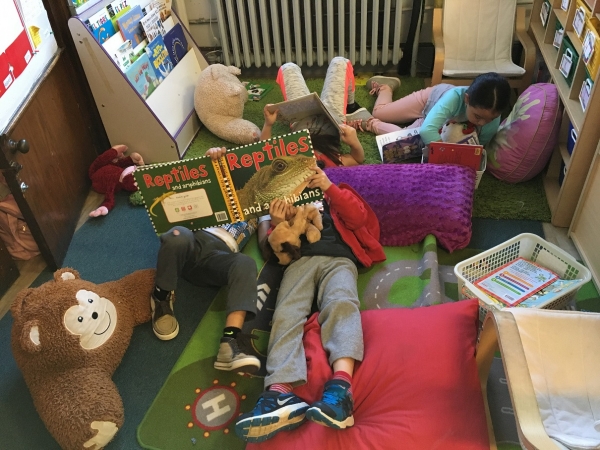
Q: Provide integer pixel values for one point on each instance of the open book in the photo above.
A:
(291, 111)
(400, 145)
(198, 193)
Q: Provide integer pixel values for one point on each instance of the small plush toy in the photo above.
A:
(111, 172)
(68, 337)
(219, 100)
(459, 132)
(285, 238)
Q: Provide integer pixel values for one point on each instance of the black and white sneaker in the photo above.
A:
(164, 323)
(235, 354)
(274, 412)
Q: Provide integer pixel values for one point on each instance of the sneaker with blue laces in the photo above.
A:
(274, 412)
(334, 410)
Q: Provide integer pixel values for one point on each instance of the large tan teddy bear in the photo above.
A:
(219, 100)
(68, 337)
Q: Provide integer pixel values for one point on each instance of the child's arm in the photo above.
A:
(357, 153)
(446, 108)
(270, 118)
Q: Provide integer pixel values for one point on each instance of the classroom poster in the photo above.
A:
(15, 47)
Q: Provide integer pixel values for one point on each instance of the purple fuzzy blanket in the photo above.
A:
(414, 200)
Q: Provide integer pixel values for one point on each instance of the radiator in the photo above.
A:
(309, 32)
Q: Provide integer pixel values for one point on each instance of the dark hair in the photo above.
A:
(328, 144)
(489, 91)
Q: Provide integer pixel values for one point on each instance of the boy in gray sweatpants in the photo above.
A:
(328, 269)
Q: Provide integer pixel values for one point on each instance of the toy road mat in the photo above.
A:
(197, 406)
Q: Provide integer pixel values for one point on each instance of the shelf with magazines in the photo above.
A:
(144, 103)
(571, 59)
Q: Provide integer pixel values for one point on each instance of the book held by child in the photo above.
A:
(198, 192)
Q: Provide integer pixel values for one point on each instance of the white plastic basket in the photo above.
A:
(528, 246)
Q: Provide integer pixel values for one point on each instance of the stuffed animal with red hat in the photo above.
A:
(112, 172)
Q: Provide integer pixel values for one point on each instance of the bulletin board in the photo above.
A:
(27, 48)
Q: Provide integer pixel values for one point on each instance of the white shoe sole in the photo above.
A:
(384, 80)
(161, 336)
(250, 365)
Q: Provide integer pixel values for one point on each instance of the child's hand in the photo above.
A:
(280, 211)
(270, 117)
(348, 135)
(319, 179)
(216, 152)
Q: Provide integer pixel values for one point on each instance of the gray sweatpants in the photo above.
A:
(205, 260)
(333, 281)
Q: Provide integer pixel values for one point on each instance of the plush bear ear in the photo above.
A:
(30, 337)
(17, 305)
(234, 70)
(66, 274)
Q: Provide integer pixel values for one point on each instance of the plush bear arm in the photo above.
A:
(79, 406)
(135, 289)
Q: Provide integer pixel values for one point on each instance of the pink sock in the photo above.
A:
(282, 388)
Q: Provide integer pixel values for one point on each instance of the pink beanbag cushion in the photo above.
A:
(417, 387)
(414, 200)
(526, 138)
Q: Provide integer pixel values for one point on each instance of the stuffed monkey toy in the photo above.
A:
(111, 172)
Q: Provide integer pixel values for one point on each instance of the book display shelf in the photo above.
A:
(159, 125)
(571, 54)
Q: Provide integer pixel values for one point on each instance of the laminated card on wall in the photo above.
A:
(198, 193)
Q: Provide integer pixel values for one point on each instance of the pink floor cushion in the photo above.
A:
(416, 388)
(414, 200)
(526, 138)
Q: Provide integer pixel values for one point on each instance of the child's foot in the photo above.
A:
(360, 120)
(164, 323)
(375, 83)
(274, 412)
(335, 408)
(234, 354)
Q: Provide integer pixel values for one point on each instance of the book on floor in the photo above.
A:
(198, 192)
(256, 91)
(516, 281)
(400, 145)
(295, 110)
(449, 153)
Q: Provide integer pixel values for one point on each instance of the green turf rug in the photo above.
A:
(197, 405)
(494, 199)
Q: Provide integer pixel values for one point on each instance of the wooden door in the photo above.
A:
(60, 123)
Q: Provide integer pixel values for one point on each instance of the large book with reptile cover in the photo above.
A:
(198, 192)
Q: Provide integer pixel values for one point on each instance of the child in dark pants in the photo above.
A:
(326, 269)
(208, 258)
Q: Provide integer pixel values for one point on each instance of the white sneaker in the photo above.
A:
(374, 83)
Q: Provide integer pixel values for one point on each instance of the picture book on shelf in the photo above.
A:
(152, 25)
(176, 43)
(257, 92)
(129, 26)
(117, 7)
(120, 12)
(101, 26)
(164, 8)
(295, 110)
(98, 18)
(449, 153)
(142, 76)
(516, 281)
(400, 145)
(198, 193)
(159, 58)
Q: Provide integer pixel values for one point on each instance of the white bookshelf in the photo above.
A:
(161, 127)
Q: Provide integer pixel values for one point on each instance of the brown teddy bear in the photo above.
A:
(68, 337)
(285, 237)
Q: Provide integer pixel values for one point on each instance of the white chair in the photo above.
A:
(472, 37)
(552, 365)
